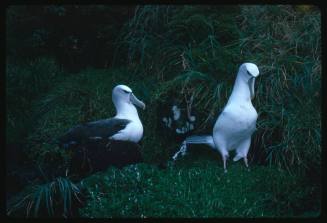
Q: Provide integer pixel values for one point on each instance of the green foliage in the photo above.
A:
(46, 200)
(194, 189)
(24, 84)
(165, 40)
(288, 92)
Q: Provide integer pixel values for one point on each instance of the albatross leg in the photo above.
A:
(224, 160)
(225, 156)
(242, 151)
(182, 151)
(246, 163)
(221, 147)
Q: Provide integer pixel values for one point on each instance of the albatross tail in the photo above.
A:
(204, 139)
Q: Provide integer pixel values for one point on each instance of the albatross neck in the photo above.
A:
(241, 90)
(126, 111)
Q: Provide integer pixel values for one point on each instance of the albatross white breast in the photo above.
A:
(124, 103)
(235, 125)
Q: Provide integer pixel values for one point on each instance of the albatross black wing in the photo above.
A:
(96, 130)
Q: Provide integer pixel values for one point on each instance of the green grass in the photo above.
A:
(195, 188)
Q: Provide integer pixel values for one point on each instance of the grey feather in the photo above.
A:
(98, 129)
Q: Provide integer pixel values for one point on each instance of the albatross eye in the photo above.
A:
(248, 73)
(126, 91)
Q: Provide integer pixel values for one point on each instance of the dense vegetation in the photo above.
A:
(60, 73)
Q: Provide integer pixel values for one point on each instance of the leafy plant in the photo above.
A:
(60, 193)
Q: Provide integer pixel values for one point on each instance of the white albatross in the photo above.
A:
(235, 125)
(125, 126)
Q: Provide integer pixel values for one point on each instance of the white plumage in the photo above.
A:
(235, 125)
(124, 101)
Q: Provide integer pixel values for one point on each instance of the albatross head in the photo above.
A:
(122, 94)
(249, 72)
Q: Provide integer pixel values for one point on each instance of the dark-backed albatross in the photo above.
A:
(235, 125)
(99, 136)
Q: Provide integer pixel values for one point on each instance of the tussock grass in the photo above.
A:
(289, 89)
(46, 199)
